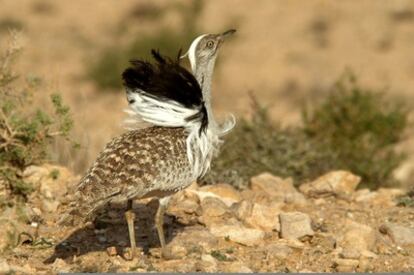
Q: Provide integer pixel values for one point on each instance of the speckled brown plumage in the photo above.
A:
(133, 165)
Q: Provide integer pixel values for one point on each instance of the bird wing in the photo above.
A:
(164, 93)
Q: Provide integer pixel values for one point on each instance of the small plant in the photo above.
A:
(54, 174)
(406, 200)
(25, 132)
(360, 127)
(219, 256)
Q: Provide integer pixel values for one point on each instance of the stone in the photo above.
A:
(295, 225)
(278, 251)
(346, 265)
(50, 205)
(34, 174)
(238, 267)
(237, 232)
(350, 254)
(384, 197)
(271, 184)
(213, 207)
(366, 254)
(258, 216)
(401, 235)
(357, 236)
(111, 251)
(4, 267)
(60, 266)
(227, 193)
(50, 187)
(295, 198)
(185, 206)
(8, 233)
(181, 266)
(260, 197)
(364, 195)
(190, 240)
(336, 183)
(207, 264)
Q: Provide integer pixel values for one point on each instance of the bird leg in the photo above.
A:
(159, 221)
(130, 217)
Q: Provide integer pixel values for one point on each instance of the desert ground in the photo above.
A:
(285, 53)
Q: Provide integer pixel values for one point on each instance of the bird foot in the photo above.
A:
(130, 254)
(166, 254)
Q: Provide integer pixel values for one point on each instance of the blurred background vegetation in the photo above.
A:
(110, 63)
(302, 117)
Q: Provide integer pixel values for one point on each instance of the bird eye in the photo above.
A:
(210, 44)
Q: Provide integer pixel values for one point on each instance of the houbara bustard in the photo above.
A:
(173, 152)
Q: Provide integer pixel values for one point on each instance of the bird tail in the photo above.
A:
(73, 214)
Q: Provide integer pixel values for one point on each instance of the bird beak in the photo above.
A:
(226, 34)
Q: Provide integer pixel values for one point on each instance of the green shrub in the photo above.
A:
(25, 132)
(106, 71)
(258, 145)
(353, 129)
(361, 127)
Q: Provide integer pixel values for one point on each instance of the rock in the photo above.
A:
(4, 267)
(294, 225)
(277, 188)
(238, 267)
(364, 195)
(50, 205)
(278, 251)
(8, 233)
(60, 266)
(207, 264)
(384, 197)
(213, 207)
(53, 179)
(260, 197)
(190, 240)
(357, 236)
(401, 235)
(181, 266)
(325, 242)
(368, 254)
(237, 232)
(405, 171)
(295, 198)
(258, 216)
(350, 254)
(346, 265)
(111, 251)
(185, 206)
(227, 193)
(337, 183)
(34, 174)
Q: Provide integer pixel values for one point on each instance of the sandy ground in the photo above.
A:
(211, 229)
(284, 52)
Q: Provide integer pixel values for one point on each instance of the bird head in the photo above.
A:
(205, 47)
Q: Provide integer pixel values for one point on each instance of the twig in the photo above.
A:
(6, 123)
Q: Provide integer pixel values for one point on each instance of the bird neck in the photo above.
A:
(204, 75)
